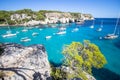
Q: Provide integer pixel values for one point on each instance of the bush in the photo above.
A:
(58, 74)
(83, 57)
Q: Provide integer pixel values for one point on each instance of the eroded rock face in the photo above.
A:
(24, 63)
(69, 70)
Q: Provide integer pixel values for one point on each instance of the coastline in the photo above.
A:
(102, 42)
(33, 23)
(26, 18)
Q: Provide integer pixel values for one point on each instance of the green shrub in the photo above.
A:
(83, 57)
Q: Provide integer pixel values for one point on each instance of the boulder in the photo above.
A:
(24, 63)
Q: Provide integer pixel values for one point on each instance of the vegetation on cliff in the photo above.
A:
(33, 15)
(80, 58)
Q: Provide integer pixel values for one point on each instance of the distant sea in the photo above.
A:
(55, 45)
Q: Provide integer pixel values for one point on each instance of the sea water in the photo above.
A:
(55, 45)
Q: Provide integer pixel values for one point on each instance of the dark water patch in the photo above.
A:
(105, 74)
(55, 64)
(117, 44)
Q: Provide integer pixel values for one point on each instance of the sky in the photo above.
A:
(98, 8)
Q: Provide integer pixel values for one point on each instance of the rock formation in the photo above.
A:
(70, 71)
(24, 63)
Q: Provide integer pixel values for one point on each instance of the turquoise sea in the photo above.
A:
(54, 45)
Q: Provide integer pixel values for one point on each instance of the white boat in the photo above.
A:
(36, 26)
(100, 37)
(92, 26)
(35, 34)
(61, 32)
(48, 37)
(62, 28)
(100, 28)
(25, 39)
(113, 35)
(40, 29)
(17, 32)
(75, 30)
(30, 28)
(24, 30)
(8, 33)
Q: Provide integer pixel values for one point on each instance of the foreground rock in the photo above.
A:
(24, 63)
(70, 71)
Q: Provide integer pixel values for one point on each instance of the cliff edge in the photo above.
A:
(24, 63)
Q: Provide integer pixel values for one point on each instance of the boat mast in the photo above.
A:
(101, 23)
(116, 26)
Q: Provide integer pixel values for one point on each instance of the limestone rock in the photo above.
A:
(69, 70)
(24, 63)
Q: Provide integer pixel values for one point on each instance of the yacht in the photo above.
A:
(25, 39)
(92, 26)
(100, 28)
(40, 29)
(48, 37)
(75, 30)
(17, 32)
(62, 28)
(24, 30)
(8, 33)
(30, 28)
(61, 32)
(113, 35)
(35, 34)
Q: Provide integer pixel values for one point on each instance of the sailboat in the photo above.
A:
(100, 28)
(61, 31)
(92, 26)
(48, 37)
(8, 33)
(24, 30)
(35, 34)
(25, 39)
(62, 28)
(75, 30)
(113, 35)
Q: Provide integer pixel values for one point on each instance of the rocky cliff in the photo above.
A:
(27, 63)
(24, 63)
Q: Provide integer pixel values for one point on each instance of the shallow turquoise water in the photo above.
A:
(54, 46)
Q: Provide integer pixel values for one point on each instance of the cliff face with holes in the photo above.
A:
(24, 63)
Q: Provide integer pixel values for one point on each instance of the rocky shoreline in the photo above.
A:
(24, 63)
(26, 18)
(18, 62)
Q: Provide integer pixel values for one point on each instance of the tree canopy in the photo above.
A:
(83, 57)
